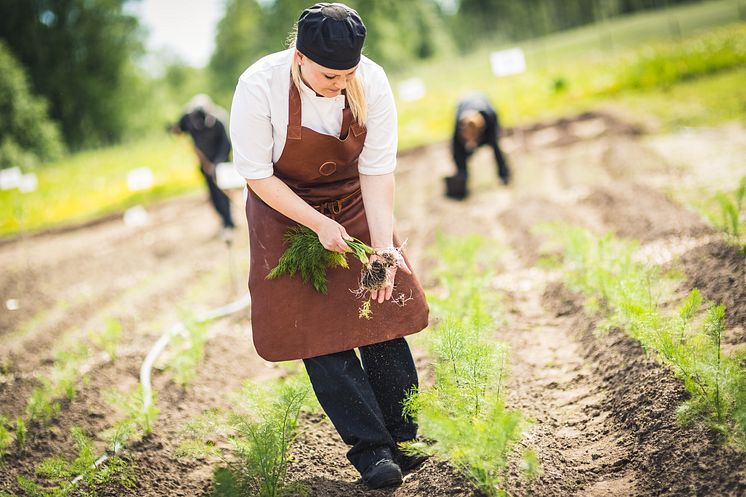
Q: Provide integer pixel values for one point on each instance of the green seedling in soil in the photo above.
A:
(189, 351)
(59, 472)
(725, 210)
(260, 438)
(41, 406)
(109, 338)
(20, 434)
(44, 403)
(6, 439)
(464, 411)
(732, 212)
(687, 339)
(262, 443)
(202, 434)
(18, 438)
(138, 421)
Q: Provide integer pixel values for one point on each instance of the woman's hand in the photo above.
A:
(332, 235)
(385, 293)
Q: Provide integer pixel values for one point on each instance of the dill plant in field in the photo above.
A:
(59, 472)
(730, 220)
(464, 411)
(6, 439)
(189, 348)
(688, 339)
(137, 422)
(259, 438)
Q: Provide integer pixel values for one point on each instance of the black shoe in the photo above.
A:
(382, 473)
(408, 462)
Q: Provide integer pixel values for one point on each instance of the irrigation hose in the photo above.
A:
(147, 365)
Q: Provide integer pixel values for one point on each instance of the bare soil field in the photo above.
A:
(603, 412)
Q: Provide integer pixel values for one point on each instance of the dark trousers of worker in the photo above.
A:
(364, 401)
(219, 200)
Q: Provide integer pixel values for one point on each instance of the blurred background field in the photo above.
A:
(662, 65)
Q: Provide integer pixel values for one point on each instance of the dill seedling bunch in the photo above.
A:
(306, 255)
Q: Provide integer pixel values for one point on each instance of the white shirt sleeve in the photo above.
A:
(379, 153)
(251, 130)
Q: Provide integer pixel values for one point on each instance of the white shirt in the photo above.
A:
(259, 116)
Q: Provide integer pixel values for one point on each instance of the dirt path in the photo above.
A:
(603, 413)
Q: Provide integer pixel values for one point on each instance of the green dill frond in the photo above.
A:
(306, 255)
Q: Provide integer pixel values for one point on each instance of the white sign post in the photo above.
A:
(508, 62)
(411, 90)
(28, 183)
(140, 179)
(10, 178)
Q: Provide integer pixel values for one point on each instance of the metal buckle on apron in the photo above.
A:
(334, 207)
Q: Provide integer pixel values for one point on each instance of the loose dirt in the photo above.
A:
(603, 413)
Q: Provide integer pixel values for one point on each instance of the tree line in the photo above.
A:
(70, 68)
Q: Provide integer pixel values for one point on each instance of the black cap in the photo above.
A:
(332, 35)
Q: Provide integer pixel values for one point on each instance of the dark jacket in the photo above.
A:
(209, 135)
(490, 137)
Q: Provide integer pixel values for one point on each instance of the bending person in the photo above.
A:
(476, 125)
(204, 121)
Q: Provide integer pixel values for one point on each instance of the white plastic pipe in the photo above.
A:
(147, 365)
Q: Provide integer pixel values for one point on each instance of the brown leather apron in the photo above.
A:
(290, 319)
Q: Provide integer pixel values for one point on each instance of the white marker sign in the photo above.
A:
(411, 90)
(28, 183)
(136, 216)
(508, 62)
(9, 178)
(140, 179)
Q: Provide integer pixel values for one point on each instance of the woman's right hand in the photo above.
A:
(332, 235)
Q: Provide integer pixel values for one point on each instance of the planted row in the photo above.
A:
(687, 337)
(464, 411)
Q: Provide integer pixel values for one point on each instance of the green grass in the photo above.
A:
(723, 209)
(570, 80)
(643, 69)
(94, 183)
(707, 101)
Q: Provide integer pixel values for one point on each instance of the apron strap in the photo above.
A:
(295, 116)
(294, 112)
(346, 119)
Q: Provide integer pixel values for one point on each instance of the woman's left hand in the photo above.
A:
(385, 293)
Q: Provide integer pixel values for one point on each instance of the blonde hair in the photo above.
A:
(355, 92)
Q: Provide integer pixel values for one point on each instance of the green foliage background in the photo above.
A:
(693, 55)
(27, 135)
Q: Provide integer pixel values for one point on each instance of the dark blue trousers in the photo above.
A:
(220, 200)
(364, 401)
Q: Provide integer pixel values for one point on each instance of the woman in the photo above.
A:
(314, 133)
